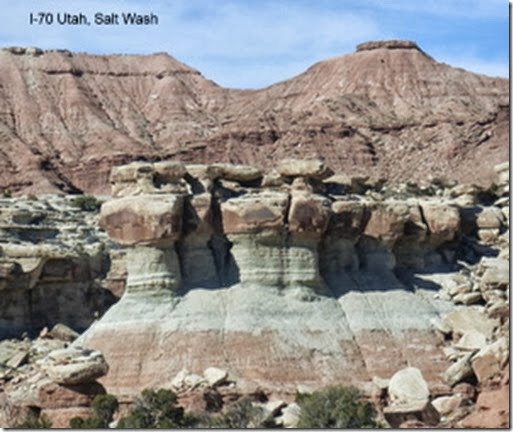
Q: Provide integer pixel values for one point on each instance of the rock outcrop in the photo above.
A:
(242, 282)
(476, 333)
(53, 379)
(388, 109)
(52, 261)
(223, 272)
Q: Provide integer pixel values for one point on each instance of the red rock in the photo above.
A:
(405, 116)
(142, 219)
(309, 213)
(254, 213)
(61, 417)
(491, 410)
(386, 222)
(55, 395)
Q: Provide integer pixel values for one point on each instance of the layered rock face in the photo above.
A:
(52, 259)
(284, 278)
(388, 108)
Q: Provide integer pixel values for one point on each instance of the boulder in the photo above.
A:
(74, 365)
(18, 360)
(490, 218)
(184, 381)
(238, 173)
(498, 309)
(215, 376)
(143, 219)
(445, 405)
(62, 332)
(495, 273)
(458, 371)
(471, 341)
(168, 172)
(252, 213)
(488, 235)
(290, 415)
(132, 179)
(421, 410)
(386, 222)
(443, 221)
(407, 385)
(470, 318)
(304, 168)
(468, 298)
(490, 360)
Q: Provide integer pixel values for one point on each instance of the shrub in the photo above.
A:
(156, 409)
(241, 415)
(86, 203)
(335, 407)
(104, 407)
(41, 422)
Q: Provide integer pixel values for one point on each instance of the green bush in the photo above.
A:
(156, 409)
(335, 407)
(41, 422)
(86, 203)
(241, 415)
(104, 407)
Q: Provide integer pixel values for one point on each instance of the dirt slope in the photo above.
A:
(388, 110)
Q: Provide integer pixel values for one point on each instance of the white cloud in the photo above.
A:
(241, 43)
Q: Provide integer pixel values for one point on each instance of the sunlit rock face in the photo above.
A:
(297, 281)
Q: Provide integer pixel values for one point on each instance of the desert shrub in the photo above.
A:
(241, 415)
(88, 423)
(156, 409)
(104, 407)
(86, 203)
(40, 422)
(335, 407)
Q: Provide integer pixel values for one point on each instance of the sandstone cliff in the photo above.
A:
(299, 281)
(242, 282)
(388, 109)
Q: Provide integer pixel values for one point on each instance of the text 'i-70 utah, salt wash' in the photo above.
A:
(99, 18)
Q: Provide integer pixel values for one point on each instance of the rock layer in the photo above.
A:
(388, 109)
(299, 285)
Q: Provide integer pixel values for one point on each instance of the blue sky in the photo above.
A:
(255, 43)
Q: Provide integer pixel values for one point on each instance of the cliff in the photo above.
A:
(280, 279)
(388, 109)
(235, 282)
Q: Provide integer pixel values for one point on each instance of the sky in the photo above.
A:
(255, 43)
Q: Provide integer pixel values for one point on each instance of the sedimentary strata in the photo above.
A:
(301, 272)
(67, 118)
